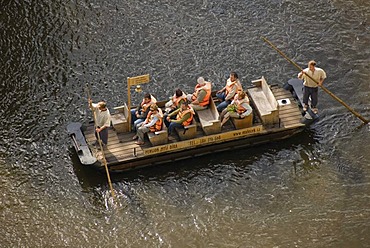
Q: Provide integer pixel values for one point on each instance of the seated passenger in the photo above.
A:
(175, 101)
(237, 96)
(152, 123)
(139, 114)
(184, 117)
(238, 108)
(227, 93)
(202, 92)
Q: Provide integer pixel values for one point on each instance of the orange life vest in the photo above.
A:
(239, 108)
(176, 100)
(144, 105)
(183, 113)
(229, 86)
(158, 125)
(207, 88)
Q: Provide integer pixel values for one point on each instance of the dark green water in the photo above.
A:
(309, 191)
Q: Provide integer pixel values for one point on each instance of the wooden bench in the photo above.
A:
(265, 102)
(188, 132)
(209, 119)
(159, 137)
(120, 120)
(244, 122)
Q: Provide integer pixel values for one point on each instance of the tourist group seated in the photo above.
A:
(182, 108)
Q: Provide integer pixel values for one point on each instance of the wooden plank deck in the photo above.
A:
(121, 147)
(290, 115)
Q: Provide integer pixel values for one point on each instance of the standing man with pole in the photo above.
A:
(321, 86)
(311, 75)
(102, 122)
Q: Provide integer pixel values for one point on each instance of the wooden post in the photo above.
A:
(130, 82)
(129, 104)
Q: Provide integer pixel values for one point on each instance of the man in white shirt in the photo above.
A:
(310, 86)
(103, 120)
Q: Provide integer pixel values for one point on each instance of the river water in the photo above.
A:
(312, 190)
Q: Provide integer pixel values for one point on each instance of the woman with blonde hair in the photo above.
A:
(239, 108)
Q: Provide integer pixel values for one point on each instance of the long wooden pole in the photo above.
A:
(129, 104)
(322, 87)
(101, 147)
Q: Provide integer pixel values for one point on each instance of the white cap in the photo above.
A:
(200, 80)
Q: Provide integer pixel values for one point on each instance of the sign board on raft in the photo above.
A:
(216, 138)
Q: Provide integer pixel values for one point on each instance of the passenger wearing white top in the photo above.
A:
(227, 93)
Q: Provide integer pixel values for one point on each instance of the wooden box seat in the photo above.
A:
(188, 132)
(159, 137)
(243, 123)
(209, 119)
(265, 102)
(120, 120)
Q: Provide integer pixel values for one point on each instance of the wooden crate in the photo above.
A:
(120, 120)
(243, 123)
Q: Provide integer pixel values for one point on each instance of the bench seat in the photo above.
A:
(209, 119)
(265, 102)
(159, 137)
(119, 119)
(188, 132)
